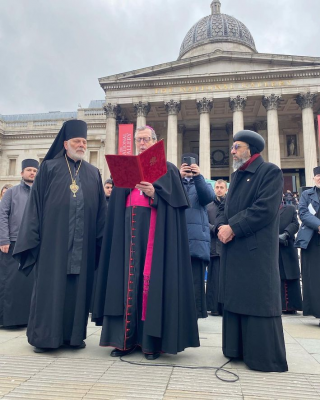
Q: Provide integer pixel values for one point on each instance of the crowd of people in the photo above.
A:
(290, 198)
(136, 258)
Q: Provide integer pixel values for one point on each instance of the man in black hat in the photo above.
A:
(61, 228)
(308, 239)
(15, 289)
(249, 228)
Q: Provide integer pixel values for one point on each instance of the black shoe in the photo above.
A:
(81, 346)
(120, 353)
(152, 356)
(41, 349)
(215, 313)
(289, 312)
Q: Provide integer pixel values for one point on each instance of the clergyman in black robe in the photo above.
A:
(308, 239)
(289, 260)
(15, 288)
(249, 228)
(146, 228)
(59, 237)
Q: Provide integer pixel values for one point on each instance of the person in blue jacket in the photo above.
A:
(200, 193)
(308, 239)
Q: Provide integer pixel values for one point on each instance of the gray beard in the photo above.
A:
(75, 156)
(239, 163)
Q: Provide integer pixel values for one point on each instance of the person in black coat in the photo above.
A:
(199, 193)
(249, 228)
(308, 239)
(144, 294)
(212, 289)
(289, 261)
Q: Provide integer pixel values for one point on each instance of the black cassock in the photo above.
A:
(59, 236)
(249, 275)
(171, 322)
(289, 261)
(310, 268)
(15, 291)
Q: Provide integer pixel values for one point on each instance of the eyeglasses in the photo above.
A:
(142, 139)
(236, 146)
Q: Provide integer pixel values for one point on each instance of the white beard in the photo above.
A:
(74, 155)
(239, 163)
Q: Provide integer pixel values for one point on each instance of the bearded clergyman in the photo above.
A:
(248, 227)
(59, 237)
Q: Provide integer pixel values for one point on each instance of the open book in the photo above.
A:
(128, 171)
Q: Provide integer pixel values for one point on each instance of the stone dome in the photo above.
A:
(217, 28)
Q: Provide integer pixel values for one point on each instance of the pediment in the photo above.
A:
(218, 63)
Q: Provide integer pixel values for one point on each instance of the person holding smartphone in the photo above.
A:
(200, 193)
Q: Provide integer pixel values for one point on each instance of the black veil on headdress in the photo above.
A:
(71, 129)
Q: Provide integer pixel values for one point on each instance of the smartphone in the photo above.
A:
(189, 160)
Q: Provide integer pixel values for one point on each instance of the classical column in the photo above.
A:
(237, 105)
(141, 110)
(271, 104)
(261, 128)
(181, 130)
(204, 107)
(229, 129)
(173, 108)
(306, 102)
(317, 129)
(111, 111)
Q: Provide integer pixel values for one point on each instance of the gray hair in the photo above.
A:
(143, 128)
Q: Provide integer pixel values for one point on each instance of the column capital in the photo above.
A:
(204, 105)
(229, 128)
(306, 100)
(172, 107)
(112, 110)
(142, 109)
(271, 102)
(238, 103)
(260, 126)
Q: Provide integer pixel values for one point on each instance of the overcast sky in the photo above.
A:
(52, 52)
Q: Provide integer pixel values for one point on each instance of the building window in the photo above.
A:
(12, 166)
(94, 158)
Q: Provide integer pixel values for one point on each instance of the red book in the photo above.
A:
(128, 171)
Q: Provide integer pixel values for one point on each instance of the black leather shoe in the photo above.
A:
(120, 353)
(81, 346)
(41, 349)
(152, 356)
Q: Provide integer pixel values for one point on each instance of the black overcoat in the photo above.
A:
(171, 312)
(43, 243)
(288, 255)
(249, 263)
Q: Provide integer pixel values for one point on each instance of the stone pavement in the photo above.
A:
(91, 374)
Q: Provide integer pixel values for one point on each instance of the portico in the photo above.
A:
(221, 81)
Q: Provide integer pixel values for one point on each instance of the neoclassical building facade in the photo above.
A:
(219, 85)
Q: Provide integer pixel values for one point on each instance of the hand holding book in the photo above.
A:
(146, 168)
(147, 188)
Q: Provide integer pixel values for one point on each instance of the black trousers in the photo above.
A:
(258, 341)
(198, 272)
(212, 292)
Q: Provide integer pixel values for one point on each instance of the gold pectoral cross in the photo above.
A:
(74, 187)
